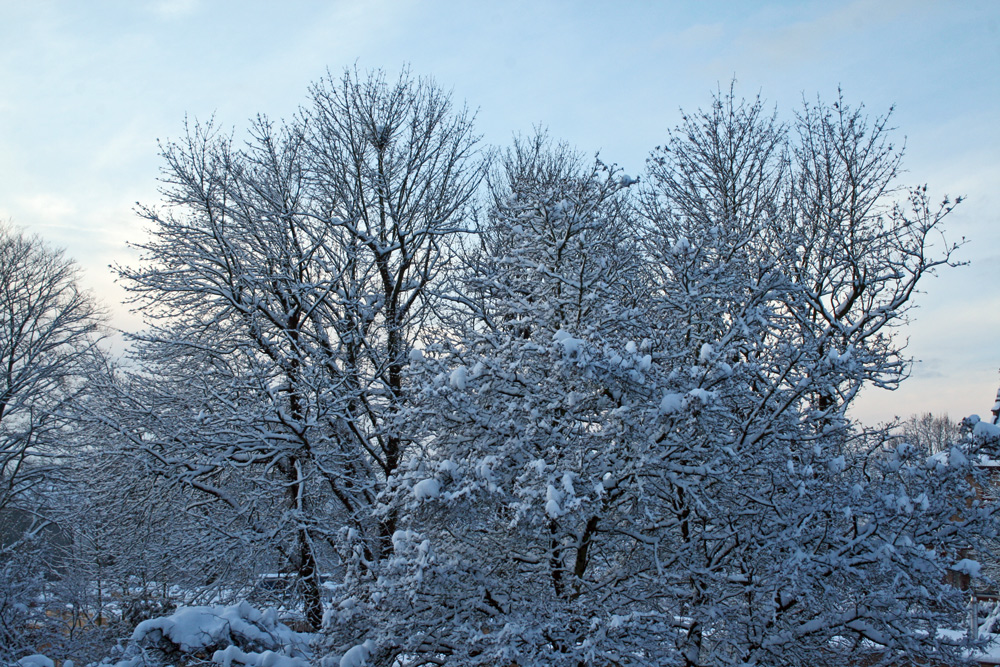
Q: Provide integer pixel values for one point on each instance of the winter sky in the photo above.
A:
(87, 88)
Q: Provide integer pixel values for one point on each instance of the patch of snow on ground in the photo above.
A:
(36, 660)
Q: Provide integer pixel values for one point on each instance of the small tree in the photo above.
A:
(930, 433)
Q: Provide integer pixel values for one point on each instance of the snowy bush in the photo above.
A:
(234, 636)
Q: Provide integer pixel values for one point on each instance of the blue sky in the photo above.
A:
(87, 88)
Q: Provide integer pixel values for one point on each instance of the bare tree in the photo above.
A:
(931, 433)
(49, 329)
(856, 241)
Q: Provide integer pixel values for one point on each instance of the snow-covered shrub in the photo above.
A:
(239, 635)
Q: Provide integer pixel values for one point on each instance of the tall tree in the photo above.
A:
(48, 328)
(654, 464)
(395, 167)
(284, 283)
(857, 242)
(504, 538)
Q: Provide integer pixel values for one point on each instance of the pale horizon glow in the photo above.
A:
(87, 89)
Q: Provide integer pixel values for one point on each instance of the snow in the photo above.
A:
(233, 656)
(956, 458)
(967, 566)
(427, 489)
(986, 430)
(671, 403)
(988, 655)
(703, 395)
(459, 377)
(36, 660)
(567, 482)
(569, 344)
(357, 656)
(485, 467)
(401, 537)
(837, 465)
(837, 358)
(537, 466)
(192, 629)
(552, 498)
(416, 355)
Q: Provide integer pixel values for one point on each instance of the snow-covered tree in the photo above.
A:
(856, 241)
(595, 421)
(510, 506)
(635, 451)
(395, 167)
(49, 332)
(283, 283)
(800, 537)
